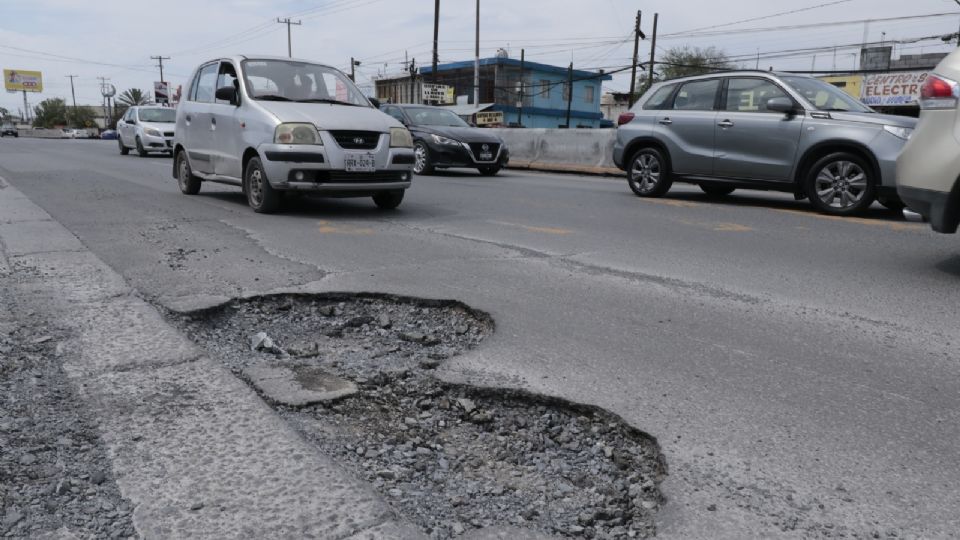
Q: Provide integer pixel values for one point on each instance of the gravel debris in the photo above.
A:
(450, 459)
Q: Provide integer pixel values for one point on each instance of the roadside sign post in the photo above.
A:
(437, 94)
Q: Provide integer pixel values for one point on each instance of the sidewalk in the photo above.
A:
(197, 453)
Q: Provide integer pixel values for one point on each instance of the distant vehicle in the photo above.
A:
(147, 129)
(762, 130)
(9, 129)
(81, 134)
(108, 135)
(928, 171)
(442, 140)
(67, 133)
(269, 125)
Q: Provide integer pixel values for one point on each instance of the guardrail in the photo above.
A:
(567, 150)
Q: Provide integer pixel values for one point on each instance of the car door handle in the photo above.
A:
(189, 119)
(666, 121)
(725, 124)
(213, 123)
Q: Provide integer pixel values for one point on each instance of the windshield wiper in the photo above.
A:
(327, 100)
(272, 97)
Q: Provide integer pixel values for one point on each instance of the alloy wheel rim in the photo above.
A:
(645, 173)
(184, 172)
(256, 187)
(420, 155)
(841, 184)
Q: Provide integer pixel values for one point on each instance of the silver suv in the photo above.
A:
(762, 130)
(269, 125)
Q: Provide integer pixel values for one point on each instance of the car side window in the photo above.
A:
(206, 84)
(697, 96)
(751, 95)
(660, 98)
(129, 116)
(396, 113)
(227, 78)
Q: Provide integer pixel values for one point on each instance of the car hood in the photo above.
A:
(159, 126)
(327, 116)
(462, 134)
(875, 118)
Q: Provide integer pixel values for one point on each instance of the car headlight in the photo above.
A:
(296, 133)
(901, 132)
(439, 139)
(153, 132)
(400, 138)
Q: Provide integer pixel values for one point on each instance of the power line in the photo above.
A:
(754, 19)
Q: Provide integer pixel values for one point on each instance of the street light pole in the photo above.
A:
(476, 63)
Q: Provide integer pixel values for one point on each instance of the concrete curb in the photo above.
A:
(196, 451)
(565, 168)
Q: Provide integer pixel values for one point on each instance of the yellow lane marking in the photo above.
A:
(672, 202)
(546, 230)
(732, 227)
(327, 228)
(892, 225)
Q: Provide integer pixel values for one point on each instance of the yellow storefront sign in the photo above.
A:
(851, 84)
(18, 80)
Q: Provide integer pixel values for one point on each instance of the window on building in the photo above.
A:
(566, 92)
(588, 94)
(545, 89)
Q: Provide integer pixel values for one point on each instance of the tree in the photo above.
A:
(132, 97)
(686, 61)
(50, 113)
(82, 117)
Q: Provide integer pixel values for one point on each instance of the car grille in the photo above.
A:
(477, 149)
(168, 134)
(340, 177)
(357, 140)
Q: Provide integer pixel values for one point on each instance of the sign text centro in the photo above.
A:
(891, 89)
(18, 80)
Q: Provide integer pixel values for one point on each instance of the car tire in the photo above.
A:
(421, 159)
(123, 149)
(717, 190)
(891, 203)
(841, 184)
(489, 170)
(648, 174)
(260, 194)
(141, 151)
(388, 200)
(189, 184)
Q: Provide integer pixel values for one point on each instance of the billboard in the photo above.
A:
(18, 80)
(875, 58)
(438, 93)
(491, 118)
(892, 89)
(161, 92)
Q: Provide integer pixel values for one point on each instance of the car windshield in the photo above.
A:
(825, 96)
(158, 115)
(427, 116)
(289, 80)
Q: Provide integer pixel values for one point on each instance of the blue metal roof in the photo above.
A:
(536, 66)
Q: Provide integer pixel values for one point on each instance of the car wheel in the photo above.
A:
(891, 203)
(421, 159)
(189, 184)
(123, 149)
(648, 175)
(388, 200)
(490, 170)
(841, 184)
(717, 190)
(260, 194)
(140, 149)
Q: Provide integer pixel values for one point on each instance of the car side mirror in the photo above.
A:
(375, 102)
(132, 122)
(782, 104)
(227, 93)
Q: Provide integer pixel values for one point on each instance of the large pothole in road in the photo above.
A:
(353, 375)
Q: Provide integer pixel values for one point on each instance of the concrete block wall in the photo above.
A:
(573, 150)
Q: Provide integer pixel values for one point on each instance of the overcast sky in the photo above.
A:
(115, 39)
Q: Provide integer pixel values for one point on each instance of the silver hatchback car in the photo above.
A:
(762, 130)
(270, 125)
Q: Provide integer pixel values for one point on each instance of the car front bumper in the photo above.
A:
(461, 155)
(152, 143)
(321, 168)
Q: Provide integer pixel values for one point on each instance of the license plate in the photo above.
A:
(360, 163)
(486, 156)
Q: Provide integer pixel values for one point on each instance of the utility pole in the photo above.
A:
(413, 80)
(106, 101)
(653, 50)
(636, 51)
(569, 92)
(436, 37)
(353, 65)
(289, 23)
(160, 60)
(522, 68)
(476, 63)
(72, 93)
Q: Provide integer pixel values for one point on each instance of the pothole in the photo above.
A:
(448, 458)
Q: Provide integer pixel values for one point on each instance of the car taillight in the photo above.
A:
(939, 93)
(625, 118)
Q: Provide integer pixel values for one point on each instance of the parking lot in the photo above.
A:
(797, 370)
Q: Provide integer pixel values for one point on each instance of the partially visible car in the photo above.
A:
(146, 129)
(271, 125)
(108, 135)
(762, 130)
(68, 133)
(9, 129)
(81, 134)
(443, 140)
(928, 171)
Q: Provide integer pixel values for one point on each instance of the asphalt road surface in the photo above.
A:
(800, 372)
